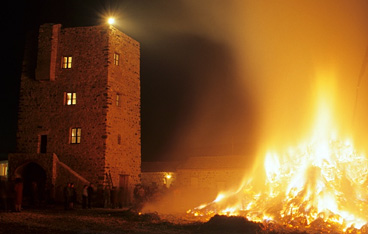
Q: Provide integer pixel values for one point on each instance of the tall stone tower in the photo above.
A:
(79, 109)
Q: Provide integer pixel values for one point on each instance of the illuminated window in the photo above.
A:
(67, 62)
(117, 99)
(3, 169)
(75, 135)
(70, 99)
(116, 59)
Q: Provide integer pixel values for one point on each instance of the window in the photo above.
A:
(117, 99)
(119, 139)
(116, 59)
(67, 62)
(42, 147)
(4, 168)
(70, 99)
(75, 136)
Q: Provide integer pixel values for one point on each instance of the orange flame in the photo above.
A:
(321, 179)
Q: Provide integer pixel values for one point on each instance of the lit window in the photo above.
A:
(4, 169)
(70, 99)
(116, 59)
(75, 135)
(117, 99)
(67, 62)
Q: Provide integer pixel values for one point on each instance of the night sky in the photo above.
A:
(216, 76)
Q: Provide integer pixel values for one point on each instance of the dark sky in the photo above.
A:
(217, 76)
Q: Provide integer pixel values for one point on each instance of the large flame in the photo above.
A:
(321, 180)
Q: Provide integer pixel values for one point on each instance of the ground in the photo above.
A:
(101, 221)
(57, 220)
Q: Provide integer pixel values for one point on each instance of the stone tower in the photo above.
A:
(79, 109)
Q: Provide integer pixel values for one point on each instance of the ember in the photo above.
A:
(319, 185)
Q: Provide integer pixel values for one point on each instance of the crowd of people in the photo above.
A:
(12, 196)
(70, 196)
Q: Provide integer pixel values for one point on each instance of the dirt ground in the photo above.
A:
(57, 220)
(101, 221)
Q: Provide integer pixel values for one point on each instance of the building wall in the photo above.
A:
(42, 109)
(215, 180)
(158, 179)
(123, 143)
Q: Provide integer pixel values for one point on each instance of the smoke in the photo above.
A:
(235, 76)
(280, 51)
(193, 98)
(246, 76)
(290, 47)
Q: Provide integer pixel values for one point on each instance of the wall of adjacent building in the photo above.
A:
(158, 179)
(212, 180)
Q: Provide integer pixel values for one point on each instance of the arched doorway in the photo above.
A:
(34, 181)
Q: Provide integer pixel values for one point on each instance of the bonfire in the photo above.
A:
(319, 185)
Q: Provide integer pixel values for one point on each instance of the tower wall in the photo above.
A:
(123, 145)
(44, 112)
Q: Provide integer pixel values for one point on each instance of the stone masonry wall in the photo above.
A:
(42, 109)
(110, 133)
(210, 180)
(123, 143)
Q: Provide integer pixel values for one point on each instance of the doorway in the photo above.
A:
(34, 181)
(124, 189)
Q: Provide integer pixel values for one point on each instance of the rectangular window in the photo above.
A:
(67, 62)
(119, 139)
(70, 99)
(116, 59)
(117, 99)
(43, 144)
(75, 135)
(4, 169)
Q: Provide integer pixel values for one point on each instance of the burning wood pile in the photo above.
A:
(319, 186)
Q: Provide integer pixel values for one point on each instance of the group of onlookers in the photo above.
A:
(70, 196)
(11, 196)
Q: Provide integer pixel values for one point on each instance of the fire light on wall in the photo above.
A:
(168, 180)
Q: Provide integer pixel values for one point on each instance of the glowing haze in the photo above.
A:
(291, 70)
(297, 64)
(289, 46)
(303, 60)
(271, 54)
